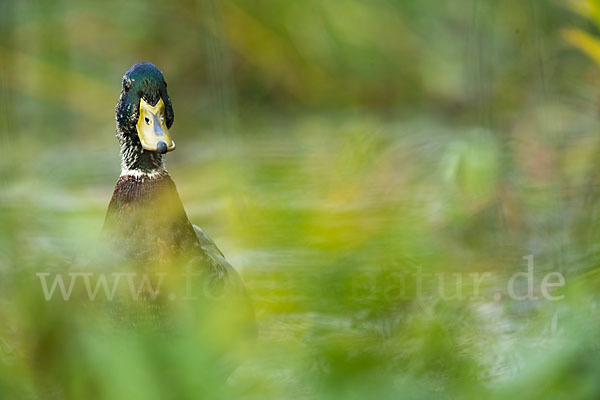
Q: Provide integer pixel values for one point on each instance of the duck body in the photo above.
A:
(147, 219)
(146, 222)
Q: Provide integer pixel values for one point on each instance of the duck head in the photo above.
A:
(144, 115)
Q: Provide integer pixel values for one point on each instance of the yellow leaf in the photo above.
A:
(584, 42)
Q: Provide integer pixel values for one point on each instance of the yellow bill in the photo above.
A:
(152, 128)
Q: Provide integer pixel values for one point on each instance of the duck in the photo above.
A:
(146, 221)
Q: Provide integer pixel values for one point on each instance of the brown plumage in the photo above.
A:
(145, 214)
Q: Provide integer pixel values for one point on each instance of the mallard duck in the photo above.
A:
(146, 220)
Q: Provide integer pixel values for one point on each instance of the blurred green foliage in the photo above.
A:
(333, 149)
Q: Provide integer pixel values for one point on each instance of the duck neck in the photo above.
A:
(135, 160)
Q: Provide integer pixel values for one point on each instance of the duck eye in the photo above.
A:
(162, 119)
(147, 120)
(126, 85)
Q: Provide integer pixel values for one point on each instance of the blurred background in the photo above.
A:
(327, 147)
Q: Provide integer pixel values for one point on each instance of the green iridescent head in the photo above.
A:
(144, 112)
